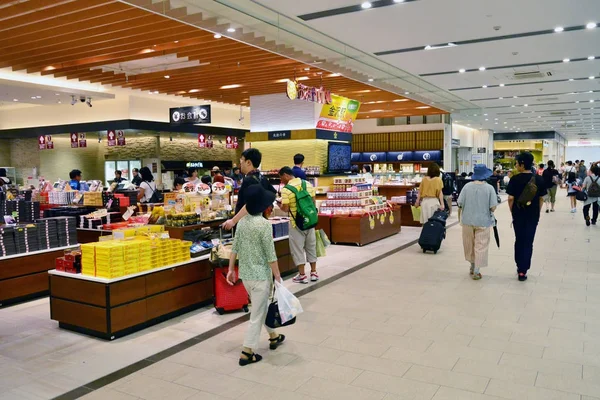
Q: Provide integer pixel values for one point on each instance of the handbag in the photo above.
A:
(581, 195)
(283, 302)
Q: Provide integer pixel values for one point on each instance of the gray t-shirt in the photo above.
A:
(476, 200)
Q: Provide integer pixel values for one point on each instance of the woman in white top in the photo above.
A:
(147, 187)
(193, 176)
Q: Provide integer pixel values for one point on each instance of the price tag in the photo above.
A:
(127, 214)
(164, 235)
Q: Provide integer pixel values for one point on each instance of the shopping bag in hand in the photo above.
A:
(284, 309)
(324, 238)
(416, 212)
(320, 246)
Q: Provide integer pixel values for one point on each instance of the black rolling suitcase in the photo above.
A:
(434, 231)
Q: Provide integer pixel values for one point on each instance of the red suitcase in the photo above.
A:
(227, 297)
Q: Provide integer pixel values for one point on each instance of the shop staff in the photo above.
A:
(75, 176)
(137, 179)
(118, 177)
(298, 163)
(249, 162)
(147, 187)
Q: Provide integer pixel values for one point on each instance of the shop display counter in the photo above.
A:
(87, 235)
(390, 191)
(325, 224)
(364, 230)
(111, 308)
(25, 276)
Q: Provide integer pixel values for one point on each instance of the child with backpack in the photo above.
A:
(591, 185)
(572, 189)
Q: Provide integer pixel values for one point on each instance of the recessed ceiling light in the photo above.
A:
(496, 123)
(334, 75)
(592, 77)
(230, 30)
(177, 41)
(505, 122)
(500, 98)
(591, 25)
(485, 115)
(194, 90)
(38, 97)
(302, 78)
(462, 70)
(370, 79)
(15, 99)
(399, 100)
(398, 1)
(577, 102)
(591, 101)
(571, 80)
(167, 76)
(526, 105)
(515, 97)
(495, 119)
(406, 93)
(484, 86)
(502, 85)
(235, 85)
(422, 107)
(218, 35)
(559, 29)
(591, 57)
(482, 68)
(366, 5)
(57, 94)
(513, 105)
(566, 60)
(487, 119)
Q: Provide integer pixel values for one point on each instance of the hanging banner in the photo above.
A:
(112, 138)
(74, 140)
(120, 138)
(339, 115)
(82, 140)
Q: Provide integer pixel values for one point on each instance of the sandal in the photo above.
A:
(274, 343)
(477, 277)
(252, 358)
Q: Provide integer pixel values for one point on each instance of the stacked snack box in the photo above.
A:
(110, 259)
(88, 259)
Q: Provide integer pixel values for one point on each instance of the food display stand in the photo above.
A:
(24, 276)
(362, 230)
(112, 308)
(392, 191)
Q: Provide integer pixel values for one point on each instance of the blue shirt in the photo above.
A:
(299, 172)
(74, 184)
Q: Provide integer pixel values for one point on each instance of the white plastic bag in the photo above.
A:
(288, 304)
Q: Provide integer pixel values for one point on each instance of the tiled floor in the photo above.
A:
(415, 326)
(40, 361)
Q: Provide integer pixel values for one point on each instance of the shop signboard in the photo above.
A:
(339, 115)
(333, 135)
(399, 156)
(74, 140)
(82, 140)
(280, 135)
(111, 138)
(120, 138)
(45, 142)
(372, 157)
(231, 142)
(431, 155)
(355, 157)
(190, 115)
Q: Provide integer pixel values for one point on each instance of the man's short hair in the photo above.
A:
(254, 156)
(286, 171)
(74, 173)
(298, 159)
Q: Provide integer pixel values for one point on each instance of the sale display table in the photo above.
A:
(24, 276)
(362, 230)
(111, 308)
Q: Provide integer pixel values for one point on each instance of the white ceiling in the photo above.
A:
(432, 22)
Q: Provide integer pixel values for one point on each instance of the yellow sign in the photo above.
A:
(392, 219)
(382, 219)
(339, 115)
(371, 222)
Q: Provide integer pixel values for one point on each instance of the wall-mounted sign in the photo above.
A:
(299, 91)
(280, 135)
(399, 156)
(333, 135)
(231, 142)
(194, 164)
(74, 140)
(481, 150)
(432, 155)
(477, 159)
(205, 141)
(339, 115)
(455, 143)
(45, 142)
(372, 157)
(120, 138)
(190, 115)
(111, 137)
(82, 140)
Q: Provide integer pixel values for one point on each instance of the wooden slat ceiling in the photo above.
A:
(75, 38)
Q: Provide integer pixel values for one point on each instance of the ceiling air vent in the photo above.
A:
(531, 75)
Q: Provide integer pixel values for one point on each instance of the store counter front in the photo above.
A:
(361, 230)
(24, 276)
(112, 308)
(390, 191)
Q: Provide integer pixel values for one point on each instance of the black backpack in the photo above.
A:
(448, 188)
(594, 189)
(156, 197)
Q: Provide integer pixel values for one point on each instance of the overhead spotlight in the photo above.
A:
(526, 105)
(230, 30)
(462, 71)
(88, 101)
(366, 5)
(591, 57)
(407, 93)
(592, 77)
(571, 80)
(167, 76)
(73, 100)
(591, 25)
(370, 79)
(482, 68)
(566, 60)
(217, 36)
(398, 1)
(502, 85)
(559, 29)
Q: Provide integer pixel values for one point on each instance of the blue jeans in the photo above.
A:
(524, 235)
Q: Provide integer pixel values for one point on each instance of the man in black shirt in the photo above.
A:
(249, 163)
(525, 208)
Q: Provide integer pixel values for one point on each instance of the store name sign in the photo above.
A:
(190, 115)
(280, 135)
(195, 164)
(299, 91)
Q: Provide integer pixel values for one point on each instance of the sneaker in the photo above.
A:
(314, 277)
(522, 277)
(593, 222)
(300, 279)
(587, 221)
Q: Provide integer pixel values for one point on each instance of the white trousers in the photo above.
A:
(476, 242)
(260, 292)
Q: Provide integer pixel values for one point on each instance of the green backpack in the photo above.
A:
(306, 216)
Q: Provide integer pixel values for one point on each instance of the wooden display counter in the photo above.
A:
(111, 308)
(25, 276)
(178, 232)
(407, 217)
(359, 231)
(390, 191)
(87, 235)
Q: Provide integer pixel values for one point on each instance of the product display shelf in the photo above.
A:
(177, 232)
(391, 191)
(362, 230)
(24, 276)
(112, 308)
